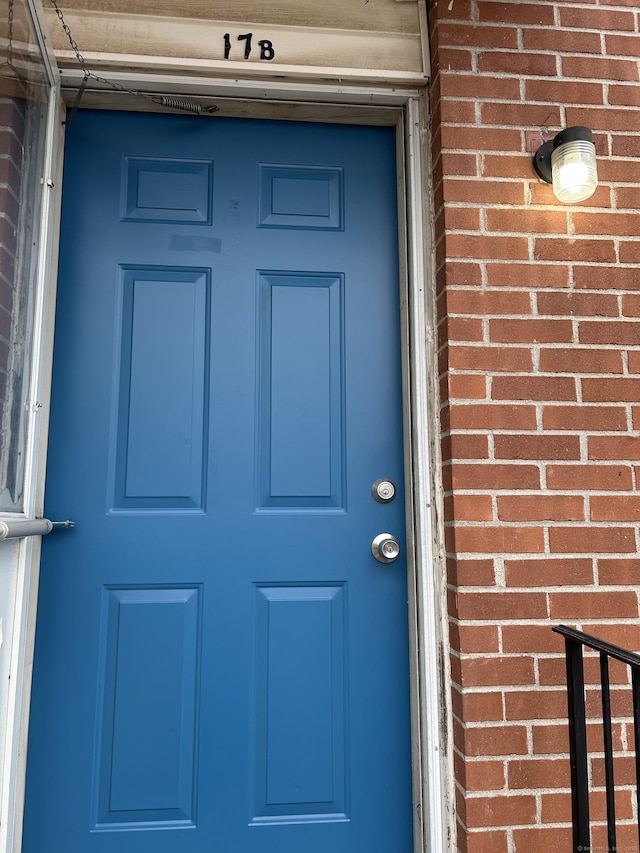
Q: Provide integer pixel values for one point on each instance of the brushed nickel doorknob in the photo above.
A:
(385, 548)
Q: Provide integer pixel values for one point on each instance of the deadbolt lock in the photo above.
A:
(383, 491)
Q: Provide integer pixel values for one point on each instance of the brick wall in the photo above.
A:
(539, 348)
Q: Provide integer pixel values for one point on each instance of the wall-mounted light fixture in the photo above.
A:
(568, 161)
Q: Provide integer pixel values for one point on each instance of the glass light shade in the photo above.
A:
(575, 175)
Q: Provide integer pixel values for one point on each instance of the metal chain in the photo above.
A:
(9, 60)
(19, 75)
(167, 101)
(10, 35)
(72, 41)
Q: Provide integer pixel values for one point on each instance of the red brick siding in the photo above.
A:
(539, 356)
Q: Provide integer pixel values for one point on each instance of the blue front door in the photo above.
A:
(221, 664)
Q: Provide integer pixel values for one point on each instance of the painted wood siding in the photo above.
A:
(379, 35)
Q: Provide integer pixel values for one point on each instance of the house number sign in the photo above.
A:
(266, 47)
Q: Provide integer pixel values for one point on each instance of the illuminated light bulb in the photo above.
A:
(575, 176)
(569, 163)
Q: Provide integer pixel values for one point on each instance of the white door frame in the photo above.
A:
(349, 101)
(432, 736)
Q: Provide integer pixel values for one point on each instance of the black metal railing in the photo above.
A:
(574, 643)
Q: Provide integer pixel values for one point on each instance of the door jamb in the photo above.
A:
(434, 824)
(430, 681)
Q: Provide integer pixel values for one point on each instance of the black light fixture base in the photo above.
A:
(542, 161)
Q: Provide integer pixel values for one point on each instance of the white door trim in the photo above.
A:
(430, 703)
(431, 734)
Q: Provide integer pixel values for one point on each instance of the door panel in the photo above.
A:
(221, 664)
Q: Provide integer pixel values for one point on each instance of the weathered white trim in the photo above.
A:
(101, 62)
(44, 40)
(428, 635)
(430, 589)
(417, 746)
(25, 554)
(425, 45)
(208, 85)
